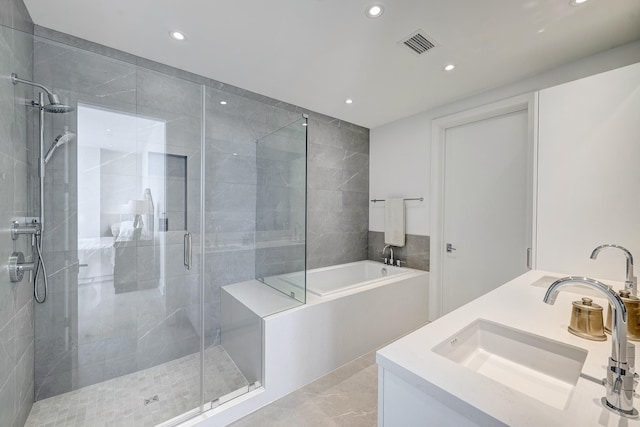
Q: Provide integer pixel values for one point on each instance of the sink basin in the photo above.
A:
(541, 368)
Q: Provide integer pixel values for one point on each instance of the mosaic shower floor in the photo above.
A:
(121, 401)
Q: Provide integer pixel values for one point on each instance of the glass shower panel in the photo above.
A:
(229, 254)
(126, 316)
(236, 126)
(147, 165)
(281, 209)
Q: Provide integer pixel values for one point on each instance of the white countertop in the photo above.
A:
(519, 305)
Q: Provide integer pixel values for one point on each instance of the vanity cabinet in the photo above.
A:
(404, 404)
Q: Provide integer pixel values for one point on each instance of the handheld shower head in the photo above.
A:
(58, 142)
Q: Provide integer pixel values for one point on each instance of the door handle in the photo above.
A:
(450, 248)
(187, 251)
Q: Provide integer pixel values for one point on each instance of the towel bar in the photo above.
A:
(415, 198)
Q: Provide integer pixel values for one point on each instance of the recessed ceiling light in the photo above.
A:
(449, 67)
(177, 35)
(374, 11)
(349, 101)
(577, 2)
(223, 102)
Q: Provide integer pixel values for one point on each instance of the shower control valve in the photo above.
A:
(17, 266)
(30, 228)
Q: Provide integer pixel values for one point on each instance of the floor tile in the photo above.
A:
(172, 388)
(346, 397)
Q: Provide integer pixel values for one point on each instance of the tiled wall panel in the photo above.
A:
(415, 252)
(16, 299)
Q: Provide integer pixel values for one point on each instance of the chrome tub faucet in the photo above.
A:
(390, 260)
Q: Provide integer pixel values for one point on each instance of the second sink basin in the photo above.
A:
(541, 368)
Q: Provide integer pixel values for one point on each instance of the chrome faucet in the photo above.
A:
(631, 282)
(619, 382)
(391, 262)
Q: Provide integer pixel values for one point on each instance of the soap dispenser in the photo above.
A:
(632, 303)
(586, 320)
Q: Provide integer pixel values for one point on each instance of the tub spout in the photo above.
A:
(619, 381)
(390, 260)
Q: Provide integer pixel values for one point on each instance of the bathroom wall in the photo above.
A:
(337, 192)
(591, 123)
(400, 163)
(407, 181)
(16, 299)
(414, 254)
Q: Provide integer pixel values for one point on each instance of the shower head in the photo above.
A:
(57, 108)
(58, 142)
(54, 106)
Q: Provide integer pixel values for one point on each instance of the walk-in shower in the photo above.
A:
(118, 162)
(36, 226)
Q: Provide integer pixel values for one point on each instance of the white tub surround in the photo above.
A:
(339, 278)
(304, 343)
(420, 387)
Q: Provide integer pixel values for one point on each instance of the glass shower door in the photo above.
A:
(139, 289)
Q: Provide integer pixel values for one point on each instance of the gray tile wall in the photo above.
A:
(14, 14)
(415, 251)
(16, 299)
(338, 192)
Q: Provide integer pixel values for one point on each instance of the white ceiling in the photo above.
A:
(317, 53)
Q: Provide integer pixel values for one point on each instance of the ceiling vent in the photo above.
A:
(418, 42)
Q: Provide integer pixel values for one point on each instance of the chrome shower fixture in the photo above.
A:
(54, 106)
(28, 228)
(17, 264)
(58, 142)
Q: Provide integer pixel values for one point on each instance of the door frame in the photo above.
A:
(528, 102)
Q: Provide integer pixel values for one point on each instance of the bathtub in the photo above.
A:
(339, 278)
(350, 310)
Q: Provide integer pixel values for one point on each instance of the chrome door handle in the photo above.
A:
(450, 248)
(187, 251)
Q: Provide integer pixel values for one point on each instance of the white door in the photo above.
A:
(486, 198)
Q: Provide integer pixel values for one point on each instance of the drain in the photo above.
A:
(151, 400)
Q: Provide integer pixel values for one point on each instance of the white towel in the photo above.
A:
(394, 222)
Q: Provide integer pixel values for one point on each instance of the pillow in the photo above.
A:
(122, 231)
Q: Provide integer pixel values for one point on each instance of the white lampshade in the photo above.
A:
(138, 207)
